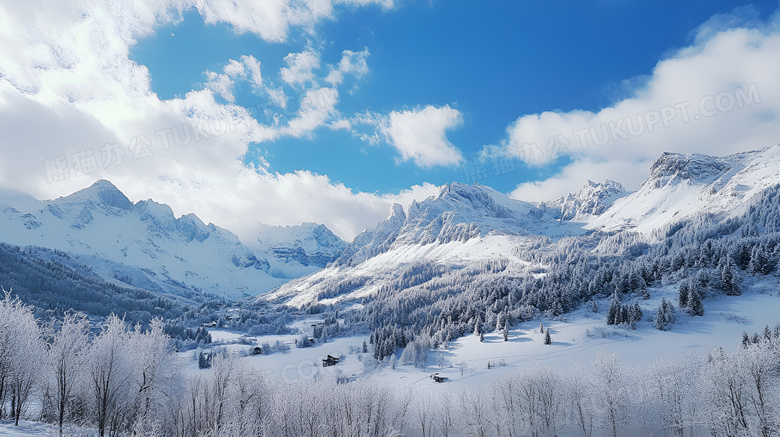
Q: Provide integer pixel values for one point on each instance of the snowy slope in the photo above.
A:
(295, 251)
(577, 338)
(681, 186)
(592, 200)
(106, 230)
(461, 225)
(465, 224)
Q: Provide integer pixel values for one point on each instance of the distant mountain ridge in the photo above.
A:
(592, 200)
(119, 239)
(464, 225)
(681, 186)
(143, 244)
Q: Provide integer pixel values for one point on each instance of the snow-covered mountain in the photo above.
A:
(461, 225)
(297, 250)
(145, 243)
(464, 225)
(681, 186)
(592, 200)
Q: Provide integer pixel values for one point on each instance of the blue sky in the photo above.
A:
(492, 61)
(330, 111)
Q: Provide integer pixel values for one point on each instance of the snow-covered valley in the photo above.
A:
(470, 287)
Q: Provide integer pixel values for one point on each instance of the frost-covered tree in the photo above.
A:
(67, 360)
(682, 294)
(155, 370)
(664, 317)
(695, 304)
(21, 353)
(111, 376)
(611, 384)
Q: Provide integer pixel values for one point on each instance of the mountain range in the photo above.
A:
(464, 225)
(143, 244)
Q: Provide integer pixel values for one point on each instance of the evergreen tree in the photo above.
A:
(664, 317)
(729, 278)
(638, 311)
(695, 304)
(682, 294)
(613, 312)
(547, 338)
(745, 340)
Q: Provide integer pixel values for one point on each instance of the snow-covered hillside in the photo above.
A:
(592, 200)
(461, 225)
(682, 186)
(297, 250)
(465, 224)
(141, 242)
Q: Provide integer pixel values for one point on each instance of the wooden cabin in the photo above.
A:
(437, 378)
(330, 361)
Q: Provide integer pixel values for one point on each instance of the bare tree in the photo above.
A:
(110, 375)
(21, 352)
(67, 359)
(610, 385)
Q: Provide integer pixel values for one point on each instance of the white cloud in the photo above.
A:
(718, 96)
(68, 89)
(254, 75)
(221, 84)
(573, 177)
(353, 63)
(419, 134)
(316, 108)
(300, 67)
(234, 69)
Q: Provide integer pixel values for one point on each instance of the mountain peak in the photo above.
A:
(103, 192)
(396, 213)
(693, 166)
(593, 199)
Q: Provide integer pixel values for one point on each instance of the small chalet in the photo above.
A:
(437, 378)
(257, 350)
(209, 325)
(330, 361)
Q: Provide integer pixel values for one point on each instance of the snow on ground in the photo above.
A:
(392, 262)
(27, 429)
(577, 338)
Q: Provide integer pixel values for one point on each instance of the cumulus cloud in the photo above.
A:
(272, 19)
(254, 75)
(222, 84)
(300, 67)
(352, 63)
(419, 134)
(74, 108)
(718, 96)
